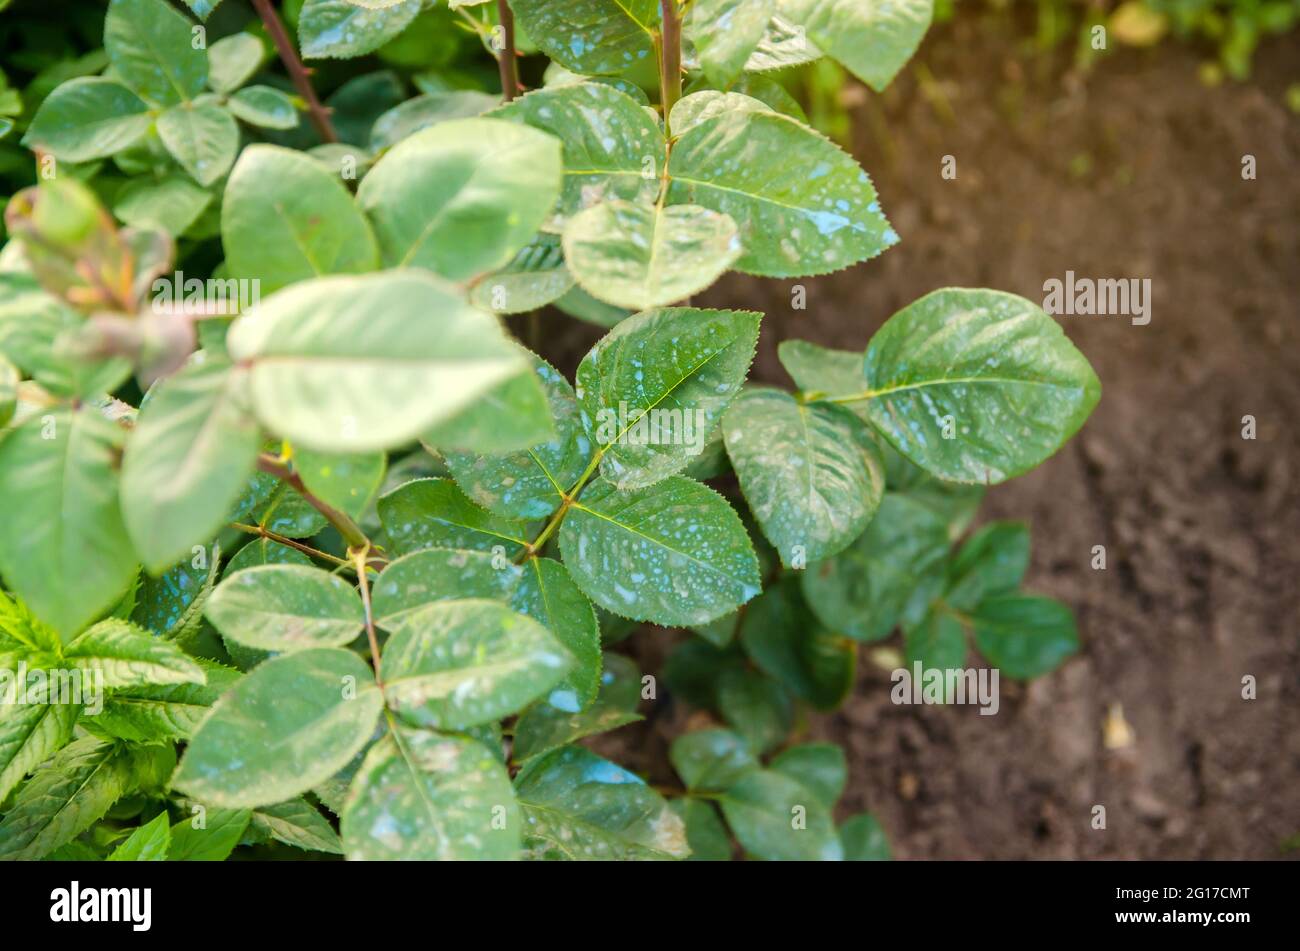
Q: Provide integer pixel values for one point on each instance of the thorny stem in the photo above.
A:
(350, 530)
(670, 59)
(359, 556)
(506, 55)
(299, 73)
(264, 532)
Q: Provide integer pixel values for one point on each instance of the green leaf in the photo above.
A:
(547, 594)
(870, 38)
(755, 706)
(725, 34)
(711, 760)
(347, 481)
(778, 819)
(433, 513)
(513, 415)
(463, 197)
(148, 843)
(675, 554)
(202, 137)
(530, 484)
(992, 562)
(299, 824)
(440, 574)
(1024, 635)
(357, 364)
(64, 798)
(421, 796)
(277, 507)
(9, 379)
(653, 389)
(424, 111)
(202, 8)
(820, 370)
(783, 45)
(992, 370)
(641, 256)
(125, 655)
(289, 725)
(937, 643)
(811, 473)
(810, 210)
(29, 735)
(211, 841)
(708, 104)
(63, 548)
(863, 590)
(819, 767)
(33, 323)
(864, 840)
(706, 835)
(171, 204)
(232, 61)
(265, 107)
(339, 29)
(578, 806)
(264, 551)
(784, 640)
(156, 714)
(613, 147)
(535, 277)
(556, 721)
(149, 45)
(187, 462)
(456, 664)
(286, 219)
(578, 303)
(592, 36)
(286, 608)
(88, 118)
(22, 635)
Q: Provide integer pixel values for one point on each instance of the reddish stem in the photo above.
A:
(506, 55)
(300, 74)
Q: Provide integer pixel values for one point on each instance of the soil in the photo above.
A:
(1134, 170)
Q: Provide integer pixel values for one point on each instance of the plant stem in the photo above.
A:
(319, 115)
(350, 530)
(506, 55)
(264, 532)
(535, 546)
(847, 398)
(670, 60)
(359, 558)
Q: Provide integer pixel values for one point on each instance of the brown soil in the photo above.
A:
(1132, 171)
